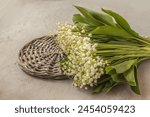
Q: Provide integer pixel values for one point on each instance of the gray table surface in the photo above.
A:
(23, 20)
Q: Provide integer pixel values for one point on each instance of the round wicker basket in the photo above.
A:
(40, 58)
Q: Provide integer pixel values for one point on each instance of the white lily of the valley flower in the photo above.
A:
(80, 61)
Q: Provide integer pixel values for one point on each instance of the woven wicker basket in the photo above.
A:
(40, 58)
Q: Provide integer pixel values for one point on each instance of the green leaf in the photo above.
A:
(84, 11)
(118, 78)
(129, 75)
(109, 69)
(101, 83)
(88, 16)
(136, 88)
(77, 18)
(98, 88)
(109, 85)
(124, 66)
(104, 78)
(106, 19)
(103, 18)
(122, 22)
(111, 31)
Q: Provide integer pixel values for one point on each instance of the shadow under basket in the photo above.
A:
(41, 57)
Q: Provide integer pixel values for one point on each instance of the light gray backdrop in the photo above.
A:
(23, 20)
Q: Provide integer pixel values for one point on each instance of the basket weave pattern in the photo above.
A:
(40, 58)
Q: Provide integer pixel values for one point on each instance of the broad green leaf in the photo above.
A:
(87, 27)
(88, 16)
(81, 22)
(84, 11)
(124, 66)
(121, 21)
(104, 78)
(98, 88)
(111, 31)
(106, 19)
(109, 69)
(78, 18)
(103, 18)
(109, 85)
(129, 76)
(136, 88)
(118, 78)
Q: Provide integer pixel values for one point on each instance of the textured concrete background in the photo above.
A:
(23, 20)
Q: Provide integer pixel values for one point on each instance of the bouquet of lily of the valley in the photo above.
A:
(102, 51)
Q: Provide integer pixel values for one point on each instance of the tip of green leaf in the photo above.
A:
(76, 6)
(103, 9)
(136, 90)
